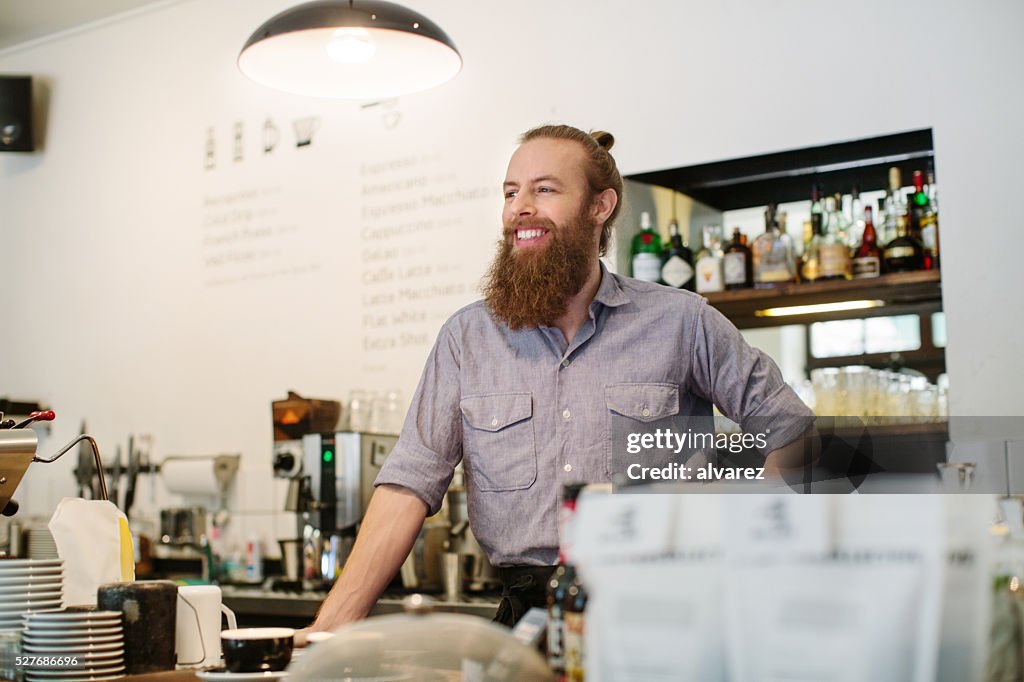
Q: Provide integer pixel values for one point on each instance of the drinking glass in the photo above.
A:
(360, 410)
(826, 391)
(387, 413)
(854, 383)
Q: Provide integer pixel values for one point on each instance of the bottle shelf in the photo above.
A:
(899, 293)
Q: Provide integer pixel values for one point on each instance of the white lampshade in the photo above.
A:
(366, 49)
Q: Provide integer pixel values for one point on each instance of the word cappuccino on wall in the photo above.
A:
(413, 274)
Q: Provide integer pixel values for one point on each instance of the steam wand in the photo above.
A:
(95, 454)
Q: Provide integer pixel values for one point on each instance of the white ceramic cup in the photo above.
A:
(197, 630)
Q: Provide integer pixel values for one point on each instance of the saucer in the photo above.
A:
(224, 676)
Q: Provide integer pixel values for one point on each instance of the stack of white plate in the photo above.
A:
(29, 585)
(41, 544)
(94, 639)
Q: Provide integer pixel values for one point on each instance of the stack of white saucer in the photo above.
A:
(29, 585)
(72, 645)
(41, 544)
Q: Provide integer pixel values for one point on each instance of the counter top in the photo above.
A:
(260, 602)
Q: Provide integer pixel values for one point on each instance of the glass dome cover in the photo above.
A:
(421, 646)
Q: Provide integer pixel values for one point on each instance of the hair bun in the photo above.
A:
(604, 139)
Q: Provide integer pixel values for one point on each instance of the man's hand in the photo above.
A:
(301, 636)
(307, 636)
(386, 536)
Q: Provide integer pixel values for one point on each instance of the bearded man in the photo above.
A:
(522, 386)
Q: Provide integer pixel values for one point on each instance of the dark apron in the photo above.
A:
(522, 587)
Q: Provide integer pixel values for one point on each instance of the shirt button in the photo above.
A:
(566, 414)
(565, 363)
(494, 421)
(567, 467)
(645, 412)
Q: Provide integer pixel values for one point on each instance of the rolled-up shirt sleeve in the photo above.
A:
(744, 383)
(430, 445)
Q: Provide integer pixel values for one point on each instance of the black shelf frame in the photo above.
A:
(787, 176)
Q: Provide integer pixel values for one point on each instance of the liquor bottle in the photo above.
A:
(925, 223)
(817, 210)
(857, 217)
(810, 263)
(904, 253)
(865, 261)
(895, 208)
(886, 227)
(933, 190)
(912, 218)
(575, 605)
(646, 251)
(737, 263)
(560, 583)
(930, 227)
(807, 233)
(772, 252)
(677, 261)
(836, 221)
(833, 251)
(710, 277)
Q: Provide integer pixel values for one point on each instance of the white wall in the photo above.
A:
(116, 313)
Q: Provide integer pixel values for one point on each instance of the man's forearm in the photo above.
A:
(386, 536)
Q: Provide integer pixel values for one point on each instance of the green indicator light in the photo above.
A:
(328, 455)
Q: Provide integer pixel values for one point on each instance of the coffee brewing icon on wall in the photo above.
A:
(390, 117)
(304, 129)
(270, 136)
(211, 158)
(239, 130)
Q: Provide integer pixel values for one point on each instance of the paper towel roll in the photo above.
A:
(189, 476)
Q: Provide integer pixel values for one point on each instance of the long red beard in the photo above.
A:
(532, 287)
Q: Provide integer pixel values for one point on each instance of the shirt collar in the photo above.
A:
(610, 292)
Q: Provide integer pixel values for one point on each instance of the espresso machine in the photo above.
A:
(336, 483)
(331, 475)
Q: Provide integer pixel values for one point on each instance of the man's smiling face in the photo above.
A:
(551, 234)
(545, 190)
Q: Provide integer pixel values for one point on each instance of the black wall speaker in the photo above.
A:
(16, 114)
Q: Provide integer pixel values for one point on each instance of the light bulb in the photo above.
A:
(351, 46)
(10, 131)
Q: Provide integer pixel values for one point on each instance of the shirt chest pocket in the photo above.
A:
(631, 407)
(498, 441)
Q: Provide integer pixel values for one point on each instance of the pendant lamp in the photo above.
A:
(349, 49)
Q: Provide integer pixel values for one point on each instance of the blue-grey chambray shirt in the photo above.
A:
(527, 412)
